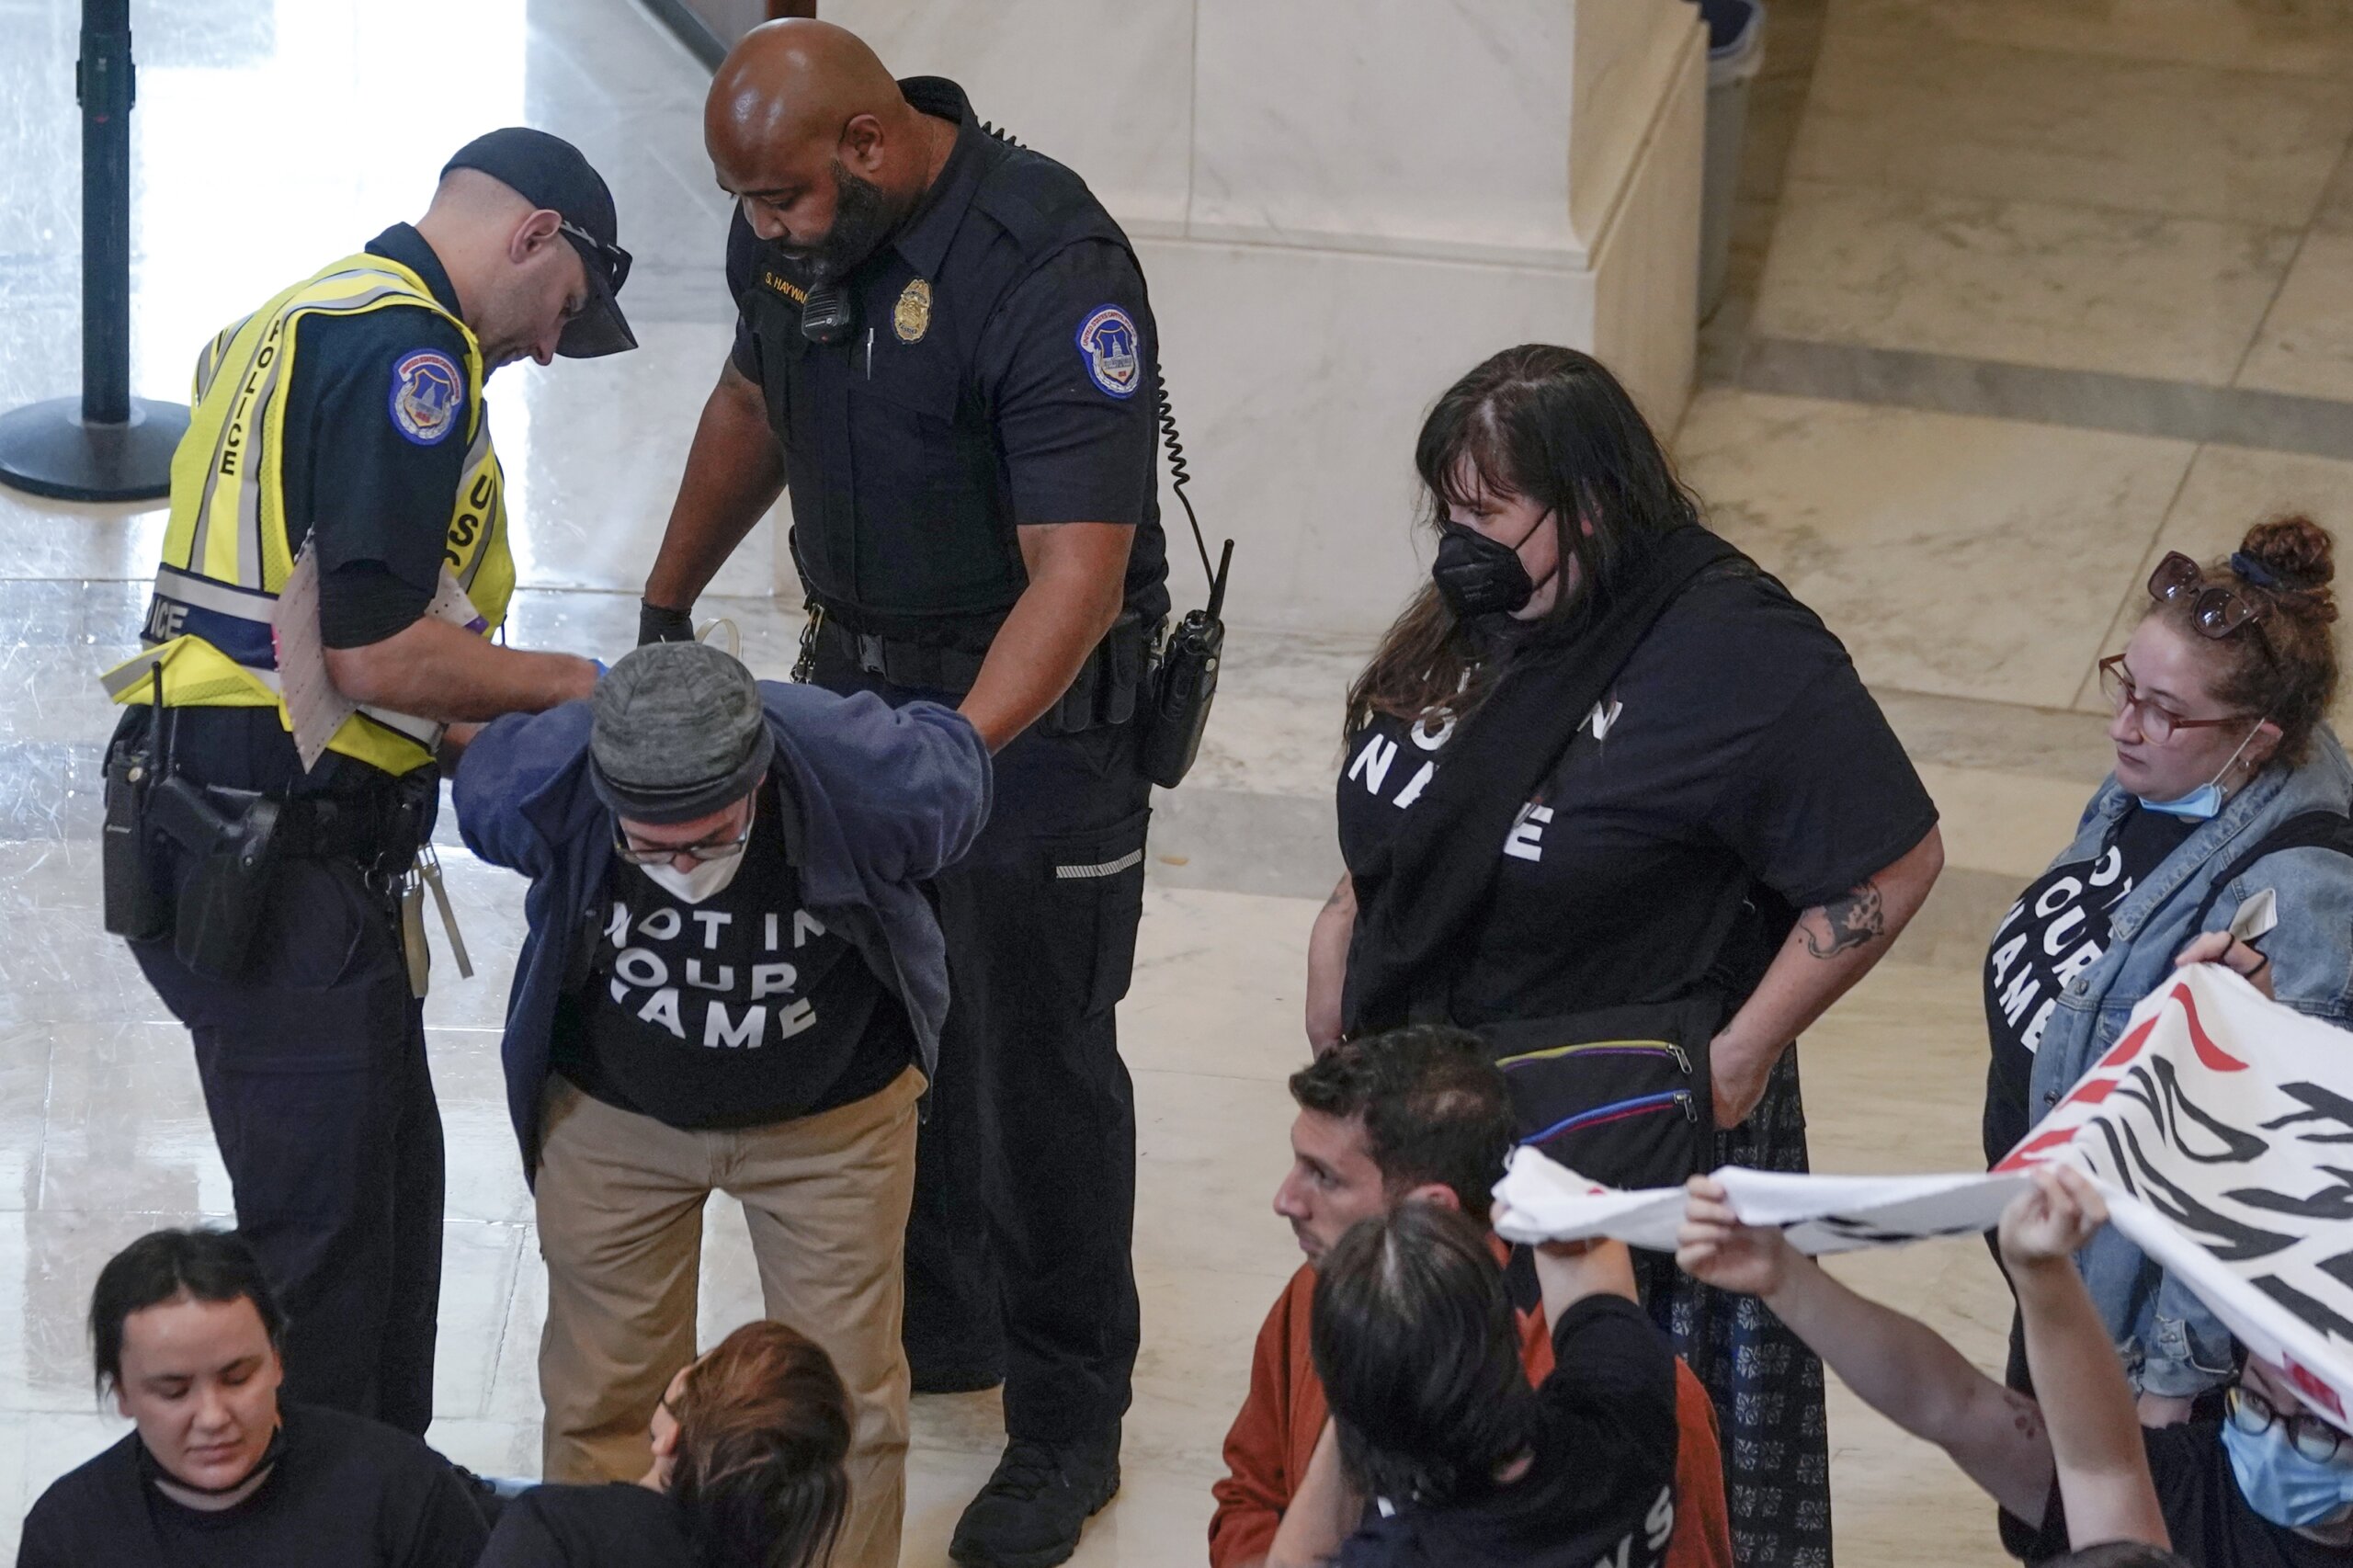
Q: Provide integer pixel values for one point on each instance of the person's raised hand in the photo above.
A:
(2052, 1219)
(2248, 962)
(1715, 1248)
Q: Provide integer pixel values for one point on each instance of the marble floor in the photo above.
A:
(2026, 294)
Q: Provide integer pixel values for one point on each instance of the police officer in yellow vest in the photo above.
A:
(339, 458)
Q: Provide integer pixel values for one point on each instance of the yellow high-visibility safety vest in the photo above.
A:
(225, 551)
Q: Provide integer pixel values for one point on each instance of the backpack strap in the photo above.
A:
(2308, 830)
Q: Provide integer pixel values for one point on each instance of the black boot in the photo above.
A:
(1030, 1514)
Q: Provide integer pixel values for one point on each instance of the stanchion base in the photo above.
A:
(46, 450)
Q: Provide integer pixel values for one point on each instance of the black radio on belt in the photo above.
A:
(1188, 683)
(135, 904)
(1185, 683)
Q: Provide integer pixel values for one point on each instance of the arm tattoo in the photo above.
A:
(1847, 922)
(2026, 1415)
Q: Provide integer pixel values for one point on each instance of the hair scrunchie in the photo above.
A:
(2255, 571)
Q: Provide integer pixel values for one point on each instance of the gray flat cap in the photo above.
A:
(678, 733)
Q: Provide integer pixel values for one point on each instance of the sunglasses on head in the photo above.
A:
(2215, 611)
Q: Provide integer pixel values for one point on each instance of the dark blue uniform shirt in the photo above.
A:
(1063, 368)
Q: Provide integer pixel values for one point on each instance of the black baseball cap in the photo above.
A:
(547, 170)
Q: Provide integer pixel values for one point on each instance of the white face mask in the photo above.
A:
(708, 879)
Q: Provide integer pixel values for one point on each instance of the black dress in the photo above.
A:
(1737, 773)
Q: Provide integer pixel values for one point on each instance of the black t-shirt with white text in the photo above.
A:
(2058, 928)
(2205, 1512)
(738, 1011)
(1737, 755)
(1601, 1486)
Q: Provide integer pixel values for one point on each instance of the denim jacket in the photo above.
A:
(2169, 1340)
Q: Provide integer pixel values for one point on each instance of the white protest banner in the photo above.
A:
(2219, 1126)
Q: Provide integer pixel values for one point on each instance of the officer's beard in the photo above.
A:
(864, 216)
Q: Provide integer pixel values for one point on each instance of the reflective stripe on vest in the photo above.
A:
(226, 554)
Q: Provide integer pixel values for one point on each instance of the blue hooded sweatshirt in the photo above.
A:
(875, 799)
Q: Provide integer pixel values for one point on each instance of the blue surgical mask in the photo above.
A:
(2281, 1485)
(2203, 803)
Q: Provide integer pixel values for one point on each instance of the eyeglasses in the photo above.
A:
(2215, 611)
(2156, 720)
(662, 854)
(2312, 1437)
(614, 259)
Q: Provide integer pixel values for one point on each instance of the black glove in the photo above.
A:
(660, 623)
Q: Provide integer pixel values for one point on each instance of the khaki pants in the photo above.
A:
(620, 1202)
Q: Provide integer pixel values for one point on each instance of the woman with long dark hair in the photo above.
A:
(1607, 782)
(748, 1449)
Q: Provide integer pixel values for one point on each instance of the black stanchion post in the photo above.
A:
(105, 444)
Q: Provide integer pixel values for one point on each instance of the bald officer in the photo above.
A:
(946, 351)
(343, 418)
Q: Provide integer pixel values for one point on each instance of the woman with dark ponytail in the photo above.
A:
(748, 1445)
(2227, 813)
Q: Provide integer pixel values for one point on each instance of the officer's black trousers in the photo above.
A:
(315, 1076)
(1019, 1243)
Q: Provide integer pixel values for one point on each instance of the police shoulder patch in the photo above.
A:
(428, 393)
(1107, 341)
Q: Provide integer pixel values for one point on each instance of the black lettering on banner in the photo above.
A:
(2305, 1307)
(2327, 1106)
(1864, 1230)
(2228, 1239)
(2156, 1083)
(2330, 1204)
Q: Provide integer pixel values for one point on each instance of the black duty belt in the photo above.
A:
(1104, 691)
(366, 829)
(922, 666)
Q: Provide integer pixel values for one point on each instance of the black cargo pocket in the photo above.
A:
(1095, 883)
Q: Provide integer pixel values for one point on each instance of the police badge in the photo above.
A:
(911, 318)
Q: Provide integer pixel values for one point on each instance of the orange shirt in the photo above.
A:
(1275, 1434)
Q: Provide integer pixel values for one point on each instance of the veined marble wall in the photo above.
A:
(1341, 205)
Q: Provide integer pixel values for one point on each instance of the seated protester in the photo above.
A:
(748, 1450)
(1419, 1115)
(1434, 1424)
(220, 1474)
(2269, 1487)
